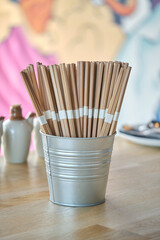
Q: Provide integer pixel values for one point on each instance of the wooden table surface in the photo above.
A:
(131, 210)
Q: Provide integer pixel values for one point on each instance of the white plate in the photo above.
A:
(142, 141)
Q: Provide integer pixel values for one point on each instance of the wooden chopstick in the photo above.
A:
(81, 90)
(86, 98)
(91, 96)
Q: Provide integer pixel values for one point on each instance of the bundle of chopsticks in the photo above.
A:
(82, 100)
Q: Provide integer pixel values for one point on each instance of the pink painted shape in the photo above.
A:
(15, 55)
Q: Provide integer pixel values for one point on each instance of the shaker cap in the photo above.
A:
(16, 112)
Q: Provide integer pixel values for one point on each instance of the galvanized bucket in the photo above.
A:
(77, 169)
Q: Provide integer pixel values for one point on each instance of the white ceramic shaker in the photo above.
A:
(37, 140)
(17, 136)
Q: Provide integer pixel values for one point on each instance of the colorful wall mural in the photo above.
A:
(52, 31)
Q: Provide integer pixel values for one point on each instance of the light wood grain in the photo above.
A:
(131, 210)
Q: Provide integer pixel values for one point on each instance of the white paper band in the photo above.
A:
(95, 114)
(108, 118)
(62, 114)
(76, 113)
(102, 113)
(85, 113)
(106, 113)
(90, 113)
(53, 115)
(116, 116)
(70, 114)
(42, 120)
(81, 111)
(47, 114)
(57, 117)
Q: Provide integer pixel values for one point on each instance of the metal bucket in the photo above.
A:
(77, 169)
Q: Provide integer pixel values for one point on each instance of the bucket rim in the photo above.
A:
(77, 138)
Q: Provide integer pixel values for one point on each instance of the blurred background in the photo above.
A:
(54, 31)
